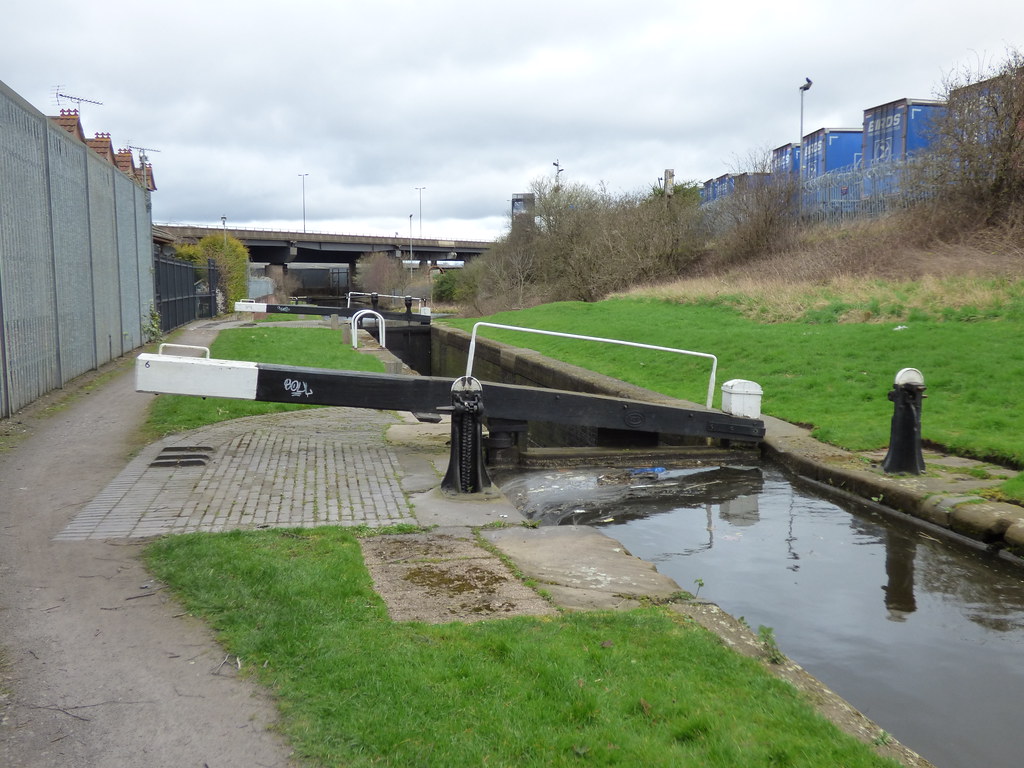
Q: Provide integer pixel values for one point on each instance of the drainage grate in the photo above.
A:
(183, 456)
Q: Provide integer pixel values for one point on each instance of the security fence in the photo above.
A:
(76, 257)
(180, 297)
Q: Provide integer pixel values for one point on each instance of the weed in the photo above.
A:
(771, 647)
(700, 583)
(152, 327)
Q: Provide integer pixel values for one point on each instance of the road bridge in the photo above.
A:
(282, 247)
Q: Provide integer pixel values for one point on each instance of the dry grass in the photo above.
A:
(870, 269)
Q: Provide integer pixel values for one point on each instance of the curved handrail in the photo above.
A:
(380, 324)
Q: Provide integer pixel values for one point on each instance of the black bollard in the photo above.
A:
(904, 454)
(408, 307)
(466, 472)
(374, 301)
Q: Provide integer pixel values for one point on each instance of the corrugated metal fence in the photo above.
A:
(76, 257)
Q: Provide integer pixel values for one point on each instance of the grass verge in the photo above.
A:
(309, 347)
(298, 609)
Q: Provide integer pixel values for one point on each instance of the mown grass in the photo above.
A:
(310, 347)
(831, 376)
(356, 689)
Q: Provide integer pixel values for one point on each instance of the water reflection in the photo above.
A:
(899, 571)
(924, 637)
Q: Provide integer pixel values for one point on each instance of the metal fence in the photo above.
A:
(180, 298)
(76, 257)
(856, 193)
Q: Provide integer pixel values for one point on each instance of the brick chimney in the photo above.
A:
(102, 146)
(69, 120)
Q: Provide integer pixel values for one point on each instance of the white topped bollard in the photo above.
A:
(742, 398)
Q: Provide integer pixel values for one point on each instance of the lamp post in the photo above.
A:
(303, 177)
(224, 226)
(410, 245)
(803, 89)
(420, 190)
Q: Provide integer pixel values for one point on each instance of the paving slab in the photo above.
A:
(582, 568)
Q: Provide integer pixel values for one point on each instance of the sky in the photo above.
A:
(424, 118)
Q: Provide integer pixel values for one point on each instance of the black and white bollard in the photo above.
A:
(466, 472)
(904, 454)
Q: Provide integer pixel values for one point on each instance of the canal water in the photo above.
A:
(924, 636)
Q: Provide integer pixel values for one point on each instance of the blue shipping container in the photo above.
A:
(829, 149)
(898, 130)
(707, 192)
(723, 186)
(786, 159)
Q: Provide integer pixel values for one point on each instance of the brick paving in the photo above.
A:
(326, 466)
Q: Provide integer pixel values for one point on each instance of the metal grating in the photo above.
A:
(183, 456)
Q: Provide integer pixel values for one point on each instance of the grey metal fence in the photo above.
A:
(76, 257)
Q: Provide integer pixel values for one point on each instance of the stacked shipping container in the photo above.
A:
(838, 167)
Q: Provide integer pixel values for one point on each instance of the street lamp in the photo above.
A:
(303, 177)
(224, 225)
(420, 190)
(800, 143)
(803, 89)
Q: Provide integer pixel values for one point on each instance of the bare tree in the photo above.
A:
(382, 273)
(759, 216)
(974, 172)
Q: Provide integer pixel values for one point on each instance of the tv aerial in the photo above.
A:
(142, 151)
(142, 159)
(78, 100)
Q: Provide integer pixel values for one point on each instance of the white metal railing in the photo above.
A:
(380, 324)
(712, 358)
(383, 296)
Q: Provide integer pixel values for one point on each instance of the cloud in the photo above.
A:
(472, 101)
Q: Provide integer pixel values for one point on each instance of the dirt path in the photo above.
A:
(99, 667)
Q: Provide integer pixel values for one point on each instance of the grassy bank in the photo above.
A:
(638, 688)
(817, 371)
(311, 347)
(829, 375)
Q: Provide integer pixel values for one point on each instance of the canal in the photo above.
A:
(923, 635)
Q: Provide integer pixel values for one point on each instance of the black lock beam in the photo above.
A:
(510, 402)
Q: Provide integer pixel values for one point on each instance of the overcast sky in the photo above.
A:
(470, 100)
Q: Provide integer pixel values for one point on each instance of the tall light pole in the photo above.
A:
(800, 144)
(410, 245)
(803, 89)
(420, 190)
(303, 177)
(558, 171)
(224, 226)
